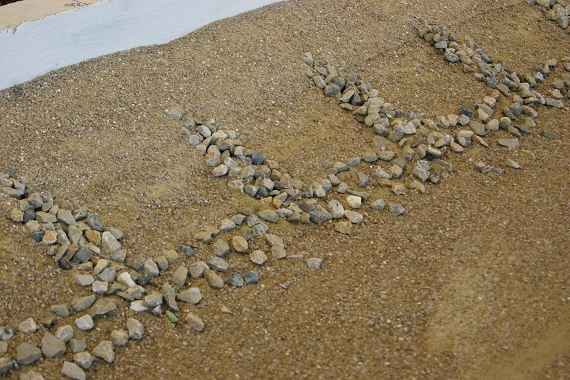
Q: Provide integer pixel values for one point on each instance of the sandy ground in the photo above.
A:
(14, 14)
(473, 284)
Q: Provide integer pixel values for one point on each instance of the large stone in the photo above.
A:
(73, 371)
(105, 351)
(109, 244)
(218, 264)
(83, 303)
(239, 244)
(85, 323)
(52, 347)
(27, 354)
(136, 329)
(28, 326)
(191, 295)
(214, 280)
(84, 359)
(180, 275)
(64, 333)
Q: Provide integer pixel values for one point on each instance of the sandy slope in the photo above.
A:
(472, 284)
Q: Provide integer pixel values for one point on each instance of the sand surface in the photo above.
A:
(472, 284)
(14, 14)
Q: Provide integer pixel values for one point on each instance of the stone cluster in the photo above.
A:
(554, 10)
(72, 237)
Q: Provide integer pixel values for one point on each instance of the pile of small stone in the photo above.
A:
(71, 237)
(555, 10)
(55, 345)
(283, 197)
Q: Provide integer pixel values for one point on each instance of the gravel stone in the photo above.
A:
(83, 359)
(105, 351)
(28, 326)
(191, 295)
(239, 244)
(52, 347)
(218, 264)
(180, 275)
(85, 323)
(354, 201)
(83, 303)
(258, 257)
(314, 263)
(198, 269)
(64, 333)
(135, 328)
(77, 345)
(213, 279)
(120, 338)
(27, 354)
(73, 371)
(221, 248)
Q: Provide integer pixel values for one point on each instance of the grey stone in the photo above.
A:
(52, 347)
(258, 257)
(77, 345)
(236, 280)
(108, 274)
(100, 287)
(135, 328)
(197, 269)
(61, 311)
(191, 295)
(319, 215)
(221, 248)
(396, 209)
(239, 244)
(27, 354)
(378, 204)
(269, 216)
(85, 323)
(218, 264)
(105, 351)
(73, 371)
(104, 307)
(151, 268)
(126, 279)
(251, 278)
(354, 217)
(6, 333)
(220, 170)
(169, 294)
(120, 338)
(336, 209)
(153, 300)
(314, 263)
(354, 201)
(512, 143)
(28, 326)
(213, 279)
(64, 333)
(66, 217)
(180, 275)
(83, 359)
